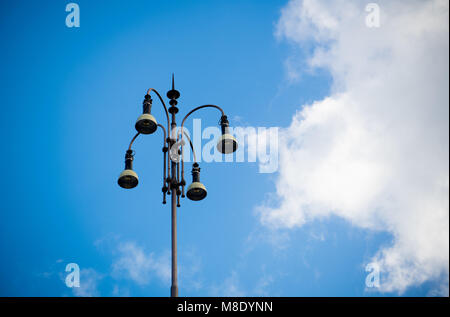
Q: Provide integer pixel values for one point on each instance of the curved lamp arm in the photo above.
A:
(182, 132)
(137, 134)
(164, 105)
(192, 146)
(164, 149)
(132, 140)
(164, 131)
(183, 182)
(198, 108)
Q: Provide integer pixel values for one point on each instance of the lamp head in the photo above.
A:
(146, 123)
(196, 191)
(128, 178)
(227, 143)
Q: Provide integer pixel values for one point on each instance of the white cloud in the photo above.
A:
(230, 287)
(135, 264)
(89, 279)
(119, 291)
(190, 271)
(263, 284)
(376, 151)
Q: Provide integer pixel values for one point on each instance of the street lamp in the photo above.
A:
(173, 142)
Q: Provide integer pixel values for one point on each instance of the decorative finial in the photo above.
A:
(173, 93)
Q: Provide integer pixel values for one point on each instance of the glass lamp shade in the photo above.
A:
(146, 124)
(196, 191)
(227, 144)
(128, 179)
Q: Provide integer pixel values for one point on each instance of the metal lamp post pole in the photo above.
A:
(174, 184)
(174, 188)
(146, 124)
(174, 287)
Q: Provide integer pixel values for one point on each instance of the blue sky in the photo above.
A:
(70, 97)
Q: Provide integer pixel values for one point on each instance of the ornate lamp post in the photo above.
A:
(173, 183)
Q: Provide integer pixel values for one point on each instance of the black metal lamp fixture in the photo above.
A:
(227, 143)
(173, 182)
(146, 123)
(196, 191)
(128, 178)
